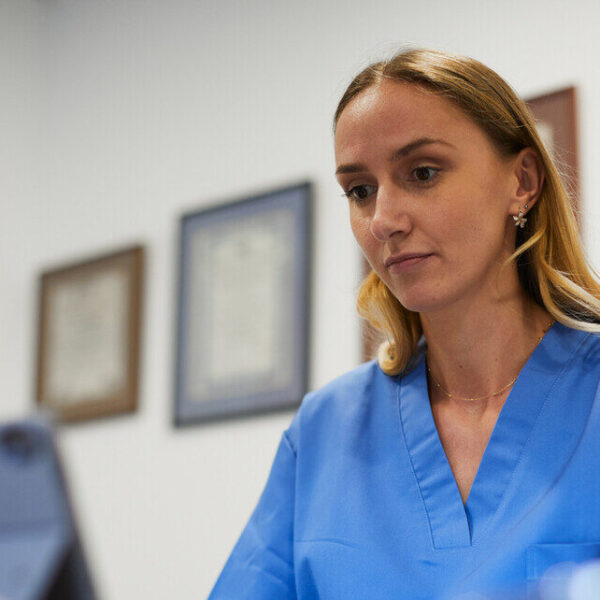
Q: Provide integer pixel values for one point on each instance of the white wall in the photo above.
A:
(117, 116)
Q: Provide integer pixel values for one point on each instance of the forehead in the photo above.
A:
(395, 113)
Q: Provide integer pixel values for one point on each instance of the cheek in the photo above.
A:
(362, 234)
(470, 219)
(360, 229)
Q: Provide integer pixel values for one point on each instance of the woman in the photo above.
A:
(465, 460)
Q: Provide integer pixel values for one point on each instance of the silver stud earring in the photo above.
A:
(520, 220)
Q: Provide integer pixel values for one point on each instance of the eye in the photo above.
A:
(360, 193)
(424, 174)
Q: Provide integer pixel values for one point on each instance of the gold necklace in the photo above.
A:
(493, 394)
(447, 393)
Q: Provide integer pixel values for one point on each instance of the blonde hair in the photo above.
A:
(548, 255)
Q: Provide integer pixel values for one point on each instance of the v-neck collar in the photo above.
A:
(453, 524)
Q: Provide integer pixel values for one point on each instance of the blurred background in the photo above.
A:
(116, 117)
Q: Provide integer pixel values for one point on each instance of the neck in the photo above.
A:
(475, 351)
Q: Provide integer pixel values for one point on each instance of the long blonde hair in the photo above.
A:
(548, 254)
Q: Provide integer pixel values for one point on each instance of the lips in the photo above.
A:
(401, 262)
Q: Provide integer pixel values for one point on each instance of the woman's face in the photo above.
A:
(430, 197)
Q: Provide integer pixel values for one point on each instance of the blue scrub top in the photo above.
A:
(361, 501)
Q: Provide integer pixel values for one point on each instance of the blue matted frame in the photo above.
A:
(207, 387)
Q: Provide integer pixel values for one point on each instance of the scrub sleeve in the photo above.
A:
(261, 564)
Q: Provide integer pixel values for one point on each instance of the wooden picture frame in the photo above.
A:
(89, 336)
(555, 115)
(244, 306)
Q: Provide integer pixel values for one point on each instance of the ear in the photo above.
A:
(529, 179)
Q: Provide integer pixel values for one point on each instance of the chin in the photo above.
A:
(421, 301)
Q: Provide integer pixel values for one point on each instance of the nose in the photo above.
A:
(390, 216)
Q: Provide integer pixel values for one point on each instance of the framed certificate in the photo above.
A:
(89, 336)
(243, 308)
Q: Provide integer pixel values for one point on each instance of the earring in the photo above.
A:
(521, 220)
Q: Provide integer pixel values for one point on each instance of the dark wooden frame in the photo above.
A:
(255, 392)
(559, 110)
(125, 399)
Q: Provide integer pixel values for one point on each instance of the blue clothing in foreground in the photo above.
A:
(361, 501)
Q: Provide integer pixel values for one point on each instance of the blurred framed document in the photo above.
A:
(243, 307)
(555, 115)
(89, 336)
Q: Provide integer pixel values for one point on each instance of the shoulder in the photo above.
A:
(350, 388)
(591, 354)
(362, 376)
(584, 347)
(344, 403)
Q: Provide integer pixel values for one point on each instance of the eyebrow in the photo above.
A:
(397, 154)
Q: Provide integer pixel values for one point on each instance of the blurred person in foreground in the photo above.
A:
(465, 460)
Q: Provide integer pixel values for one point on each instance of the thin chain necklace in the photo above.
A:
(493, 394)
(447, 393)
